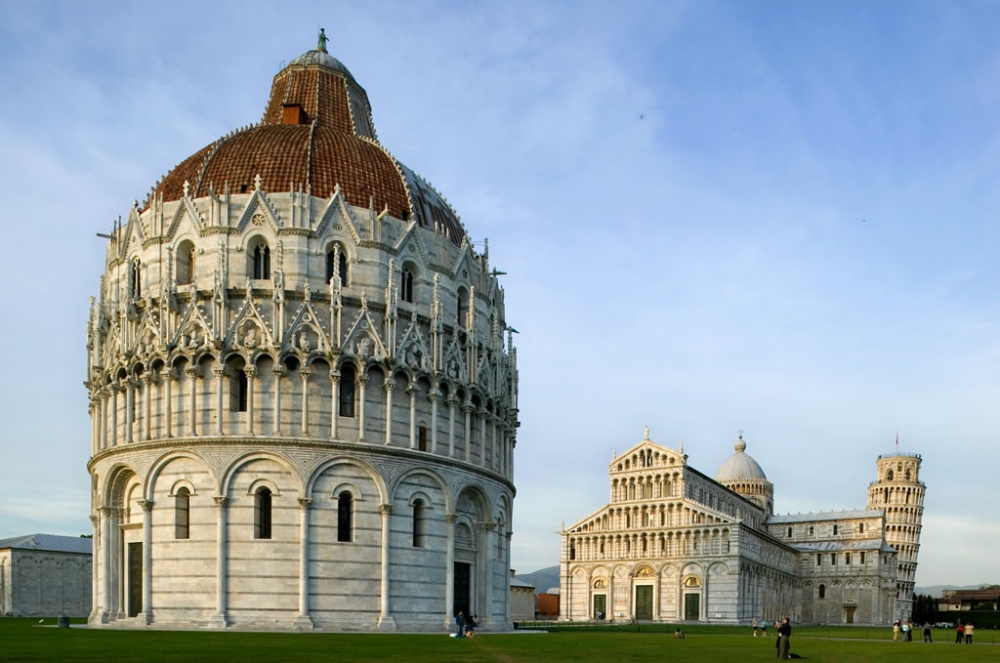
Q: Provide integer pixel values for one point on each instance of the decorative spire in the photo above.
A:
(321, 46)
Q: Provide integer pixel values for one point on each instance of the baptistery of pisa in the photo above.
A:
(302, 386)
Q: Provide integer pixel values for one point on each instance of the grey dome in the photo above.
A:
(739, 466)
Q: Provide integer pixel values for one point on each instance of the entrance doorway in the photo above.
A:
(849, 613)
(692, 607)
(134, 579)
(463, 577)
(600, 606)
(644, 602)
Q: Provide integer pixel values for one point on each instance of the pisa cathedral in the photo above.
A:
(302, 386)
(675, 545)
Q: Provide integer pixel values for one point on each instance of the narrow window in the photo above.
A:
(422, 438)
(819, 560)
(135, 279)
(835, 530)
(182, 514)
(419, 524)
(345, 516)
(822, 591)
(407, 286)
(262, 514)
(889, 475)
(833, 559)
(862, 559)
(336, 257)
(810, 531)
(847, 559)
(861, 528)
(347, 391)
(185, 263)
(463, 307)
(239, 388)
(262, 261)
(572, 551)
(789, 532)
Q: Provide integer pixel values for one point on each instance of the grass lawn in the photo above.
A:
(25, 640)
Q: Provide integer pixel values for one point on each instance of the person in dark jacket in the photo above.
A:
(784, 639)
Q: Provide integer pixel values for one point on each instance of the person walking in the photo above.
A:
(927, 631)
(969, 628)
(460, 623)
(755, 627)
(784, 639)
(895, 631)
(959, 634)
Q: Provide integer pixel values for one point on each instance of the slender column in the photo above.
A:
(385, 619)
(105, 400)
(451, 425)
(146, 616)
(106, 560)
(251, 373)
(481, 429)
(220, 374)
(304, 374)
(221, 589)
(334, 402)
(129, 404)
(303, 622)
(147, 402)
(449, 582)
(192, 374)
(389, 386)
(467, 409)
(434, 396)
(167, 377)
(362, 382)
(413, 416)
(488, 567)
(115, 388)
(278, 372)
(95, 595)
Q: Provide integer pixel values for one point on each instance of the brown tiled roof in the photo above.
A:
(327, 147)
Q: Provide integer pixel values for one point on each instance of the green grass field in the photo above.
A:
(26, 640)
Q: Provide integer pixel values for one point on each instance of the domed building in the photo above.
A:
(675, 545)
(302, 385)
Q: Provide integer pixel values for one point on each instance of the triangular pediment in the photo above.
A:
(251, 329)
(337, 217)
(454, 361)
(411, 246)
(194, 330)
(363, 340)
(307, 333)
(258, 213)
(412, 350)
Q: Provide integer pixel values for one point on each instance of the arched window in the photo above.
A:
(347, 391)
(822, 591)
(422, 438)
(135, 279)
(419, 524)
(345, 517)
(261, 261)
(336, 257)
(889, 475)
(185, 263)
(182, 513)
(262, 513)
(406, 287)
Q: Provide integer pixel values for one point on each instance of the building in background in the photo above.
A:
(44, 575)
(677, 545)
(523, 601)
(303, 388)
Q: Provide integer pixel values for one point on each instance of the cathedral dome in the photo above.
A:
(316, 136)
(739, 466)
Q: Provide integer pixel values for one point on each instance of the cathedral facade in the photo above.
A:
(676, 545)
(303, 388)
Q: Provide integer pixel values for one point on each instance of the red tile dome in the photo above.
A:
(316, 134)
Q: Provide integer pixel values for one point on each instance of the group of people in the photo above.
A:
(466, 625)
(784, 640)
(964, 633)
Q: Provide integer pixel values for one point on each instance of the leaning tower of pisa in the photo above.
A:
(900, 493)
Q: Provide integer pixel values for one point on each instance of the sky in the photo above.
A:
(779, 218)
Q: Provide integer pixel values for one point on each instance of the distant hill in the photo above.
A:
(543, 579)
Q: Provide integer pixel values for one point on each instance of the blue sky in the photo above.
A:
(775, 217)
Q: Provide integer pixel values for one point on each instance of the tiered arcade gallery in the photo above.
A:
(302, 386)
